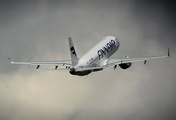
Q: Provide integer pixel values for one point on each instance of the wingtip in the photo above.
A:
(168, 54)
(10, 59)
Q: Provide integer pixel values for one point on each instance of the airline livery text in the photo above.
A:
(105, 49)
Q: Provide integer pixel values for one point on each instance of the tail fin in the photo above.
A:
(74, 57)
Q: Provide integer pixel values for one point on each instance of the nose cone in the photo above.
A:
(72, 71)
(117, 44)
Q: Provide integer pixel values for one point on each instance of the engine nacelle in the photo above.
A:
(125, 65)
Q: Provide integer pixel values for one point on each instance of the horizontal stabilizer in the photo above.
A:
(89, 68)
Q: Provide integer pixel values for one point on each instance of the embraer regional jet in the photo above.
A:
(94, 60)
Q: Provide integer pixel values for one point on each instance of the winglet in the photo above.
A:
(168, 52)
(10, 59)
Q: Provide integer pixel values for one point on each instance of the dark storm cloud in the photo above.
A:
(156, 19)
(38, 30)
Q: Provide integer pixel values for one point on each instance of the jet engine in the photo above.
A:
(125, 65)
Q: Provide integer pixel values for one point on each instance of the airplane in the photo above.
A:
(96, 59)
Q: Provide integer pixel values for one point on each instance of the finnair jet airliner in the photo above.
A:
(96, 59)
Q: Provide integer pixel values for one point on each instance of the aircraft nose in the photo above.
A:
(117, 42)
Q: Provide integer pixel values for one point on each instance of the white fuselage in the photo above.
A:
(97, 56)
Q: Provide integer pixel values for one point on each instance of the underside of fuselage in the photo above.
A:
(83, 73)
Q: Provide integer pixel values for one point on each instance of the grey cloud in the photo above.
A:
(38, 30)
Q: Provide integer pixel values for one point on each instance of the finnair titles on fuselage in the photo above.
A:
(94, 60)
(99, 53)
(108, 47)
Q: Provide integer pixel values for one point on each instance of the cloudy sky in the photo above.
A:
(39, 29)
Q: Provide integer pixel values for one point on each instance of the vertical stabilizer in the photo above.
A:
(74, 57)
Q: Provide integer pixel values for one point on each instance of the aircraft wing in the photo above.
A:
(62, 62)
(44, 63)
(112, 62)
